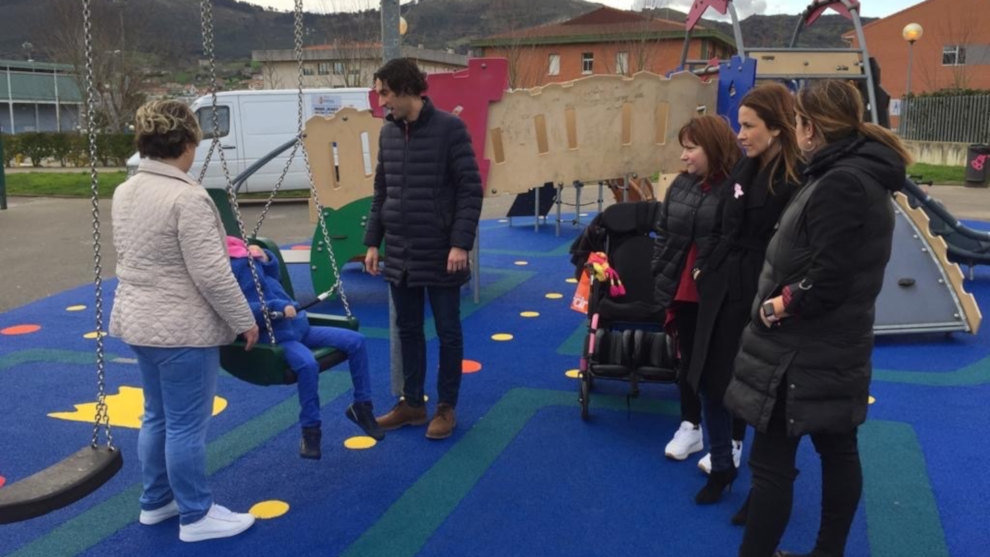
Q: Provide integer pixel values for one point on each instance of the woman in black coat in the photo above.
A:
(764, 181)
(688, 215)
(804, 361)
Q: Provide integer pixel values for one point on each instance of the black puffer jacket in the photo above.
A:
(427, 197)
(688, 215)
(827, 257)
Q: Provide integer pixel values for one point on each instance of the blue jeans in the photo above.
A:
(301, 360)
(179, 386)
(445, 301)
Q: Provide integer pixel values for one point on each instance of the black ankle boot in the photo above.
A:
(310, 445)
(718, 481)
(739, 519)
(363, 415)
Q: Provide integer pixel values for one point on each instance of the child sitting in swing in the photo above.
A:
(293, 333)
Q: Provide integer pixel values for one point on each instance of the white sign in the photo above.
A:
(895, 107)
(325, 105)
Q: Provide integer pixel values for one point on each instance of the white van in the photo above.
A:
(252, 124)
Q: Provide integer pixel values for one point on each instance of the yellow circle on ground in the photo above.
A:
(20, 330)
(573, 373)
(269, 509)
(360, 442)
(521, 263)
(79, 307)
(92, 334)
(871, 400)
(502, 336)
(571, 280)
(530, 314)
(554, 295)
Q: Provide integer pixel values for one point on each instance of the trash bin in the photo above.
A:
(977, 165)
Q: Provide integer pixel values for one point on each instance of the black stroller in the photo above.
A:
(625, 340)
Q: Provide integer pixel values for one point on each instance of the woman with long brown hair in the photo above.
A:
(763, 183)
(803, 366)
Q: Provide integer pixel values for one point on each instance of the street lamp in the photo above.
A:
(911, 33)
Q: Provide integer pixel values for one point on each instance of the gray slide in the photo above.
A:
(923, 290)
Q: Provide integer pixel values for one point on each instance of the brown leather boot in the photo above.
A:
(442, 424)
(402, 415)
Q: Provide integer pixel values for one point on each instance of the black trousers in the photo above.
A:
(685, 321)
(772, 462)
(445, 301)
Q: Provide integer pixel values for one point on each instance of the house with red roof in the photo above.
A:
(603, 41)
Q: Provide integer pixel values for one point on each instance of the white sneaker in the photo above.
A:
(687, 439)
(162, 513)
(705, 464)
(219, 522)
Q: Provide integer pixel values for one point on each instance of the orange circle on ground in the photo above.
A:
(3, 480)
(470, 366)
(79, 307)
(300, 247)
(20, 330)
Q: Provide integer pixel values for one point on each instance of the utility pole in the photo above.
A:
(390, 30)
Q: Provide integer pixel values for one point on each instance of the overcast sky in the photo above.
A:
(869, 8)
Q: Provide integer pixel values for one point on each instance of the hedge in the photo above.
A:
(68, 148)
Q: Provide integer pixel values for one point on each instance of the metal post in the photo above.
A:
(3, 180)
(536, 210)
(391, 47)
(907, 92)
(390, 51)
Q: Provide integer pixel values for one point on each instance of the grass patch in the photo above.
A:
(76, 184)
(939, 174)
(62, 184)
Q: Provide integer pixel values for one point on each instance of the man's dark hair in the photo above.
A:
(403, 77)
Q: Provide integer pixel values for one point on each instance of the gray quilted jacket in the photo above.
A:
(175, 283)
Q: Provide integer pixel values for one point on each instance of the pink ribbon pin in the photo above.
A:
(738, 191)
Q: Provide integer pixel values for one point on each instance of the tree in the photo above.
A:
(116, 77)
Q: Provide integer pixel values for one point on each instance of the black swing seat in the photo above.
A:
(59, 485)
(265, 364)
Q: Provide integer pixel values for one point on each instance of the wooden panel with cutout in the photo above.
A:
(352, 175)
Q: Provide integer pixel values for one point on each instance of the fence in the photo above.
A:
(963, 118)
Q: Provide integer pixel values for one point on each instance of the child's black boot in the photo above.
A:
(310, 445)
(363, 415)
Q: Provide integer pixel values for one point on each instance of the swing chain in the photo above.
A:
(206, 15)
(338, 281)
(102, 417)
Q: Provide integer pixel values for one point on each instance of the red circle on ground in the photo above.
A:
(20, 329)
(470, 366)
(3, 480)
(300, 247)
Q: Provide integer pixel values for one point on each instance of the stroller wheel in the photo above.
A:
(585, 395)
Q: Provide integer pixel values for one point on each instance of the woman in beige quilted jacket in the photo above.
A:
(175, 303)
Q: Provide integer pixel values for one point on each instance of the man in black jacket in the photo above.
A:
(426, 207)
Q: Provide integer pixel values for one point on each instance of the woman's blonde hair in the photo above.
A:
(835, 108)
(163, 129)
